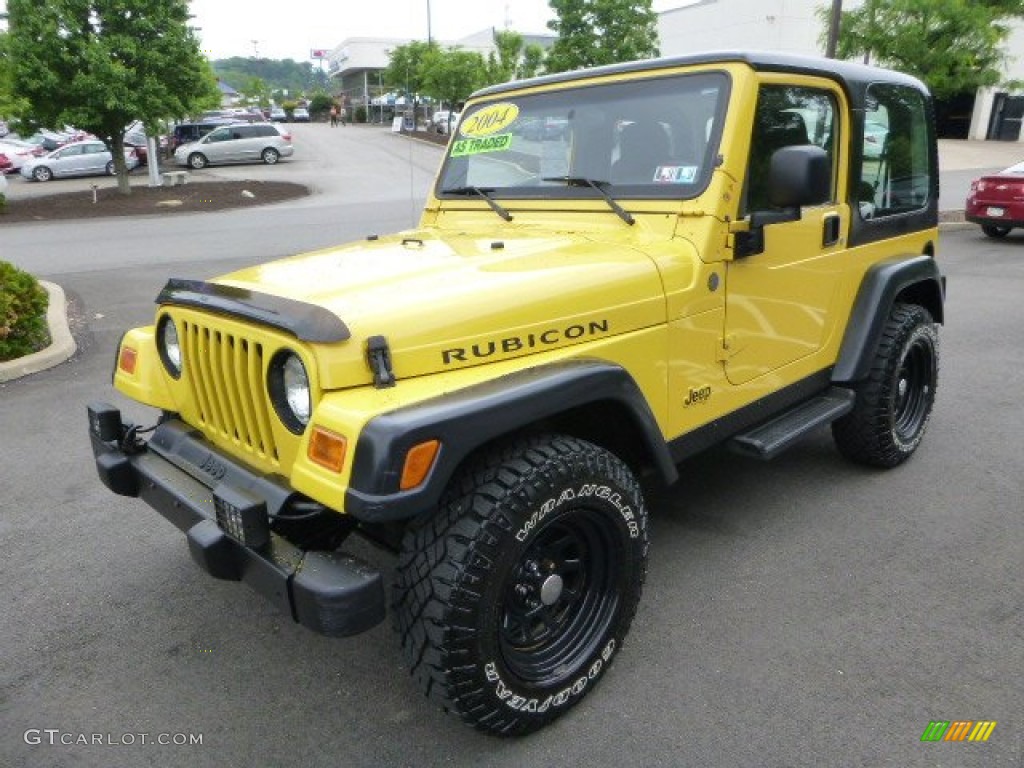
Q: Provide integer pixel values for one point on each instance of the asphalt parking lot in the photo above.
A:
(804, 612)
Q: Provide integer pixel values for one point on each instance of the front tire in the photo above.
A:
(514, 597)
(197, 161)
(111, 169)
(995, 231)
(42, 173)
(894, 403)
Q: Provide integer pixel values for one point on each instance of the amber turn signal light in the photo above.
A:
(127, 360)
(418, 463)
(327, 449)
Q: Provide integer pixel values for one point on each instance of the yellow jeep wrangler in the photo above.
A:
(615, 269)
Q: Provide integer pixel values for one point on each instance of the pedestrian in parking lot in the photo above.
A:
(334, 116)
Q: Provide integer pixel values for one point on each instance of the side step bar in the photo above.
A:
(776, 435)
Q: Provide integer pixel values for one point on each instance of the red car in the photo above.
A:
(996, 202)
(6, 166)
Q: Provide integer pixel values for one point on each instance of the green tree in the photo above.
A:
(406, 68)
(512, 59)
(952, 45)
(256, 92)
(450, 76)
(596, 32)
(101, 64)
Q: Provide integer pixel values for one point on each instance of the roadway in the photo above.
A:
(804, 612)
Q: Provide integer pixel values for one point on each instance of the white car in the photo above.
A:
(445, 120)
(236, 143)
(81, 158)
(18, 152)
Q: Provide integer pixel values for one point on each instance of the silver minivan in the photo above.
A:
(236, 143)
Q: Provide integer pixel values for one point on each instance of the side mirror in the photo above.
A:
(799, 176)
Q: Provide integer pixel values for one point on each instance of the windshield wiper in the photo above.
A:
(480, 192)
(582, 181)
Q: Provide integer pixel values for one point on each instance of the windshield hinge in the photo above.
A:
(378, 357)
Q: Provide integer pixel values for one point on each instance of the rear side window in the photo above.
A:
(895, 171)
(266, 130)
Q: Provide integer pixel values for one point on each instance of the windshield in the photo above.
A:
(655, 137)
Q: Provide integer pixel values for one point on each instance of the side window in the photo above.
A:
(787, 116)
(895, 171)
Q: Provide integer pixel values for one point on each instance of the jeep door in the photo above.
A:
(778, 300)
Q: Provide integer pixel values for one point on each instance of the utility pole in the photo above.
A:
(833, 28)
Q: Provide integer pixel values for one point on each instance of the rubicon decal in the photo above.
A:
(958, 730)
(513, 344)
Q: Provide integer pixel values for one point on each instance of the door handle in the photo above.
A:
(830, 229)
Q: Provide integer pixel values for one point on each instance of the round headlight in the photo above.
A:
(290, 391)
(169, 346)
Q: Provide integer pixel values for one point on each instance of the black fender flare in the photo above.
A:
(466, 419)
(913, 278)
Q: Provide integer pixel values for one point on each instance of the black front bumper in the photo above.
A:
(178, 473)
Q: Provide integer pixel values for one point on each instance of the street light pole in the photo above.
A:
(833, 28)
(430, 37)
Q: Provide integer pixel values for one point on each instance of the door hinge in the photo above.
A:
(726, 348)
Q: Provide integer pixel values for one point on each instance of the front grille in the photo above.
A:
(225, 377)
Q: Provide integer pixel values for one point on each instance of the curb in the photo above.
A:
(62, 345)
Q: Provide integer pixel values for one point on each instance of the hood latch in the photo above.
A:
(378, 357)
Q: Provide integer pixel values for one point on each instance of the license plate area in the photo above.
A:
(993, 210)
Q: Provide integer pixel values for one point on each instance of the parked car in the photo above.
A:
(185, 133)
(874, 138)
(300, 115)
(996, 201)
(49, 140)
(6, 166)
(236, 143)
(445, 120)
(278, 115)
(81, 158)
(19, 151)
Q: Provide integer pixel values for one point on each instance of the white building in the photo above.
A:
(357, 64)
(793, 26)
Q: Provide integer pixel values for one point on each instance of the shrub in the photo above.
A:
(360, 115)
(22, 313)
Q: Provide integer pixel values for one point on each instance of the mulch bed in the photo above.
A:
(188, 198)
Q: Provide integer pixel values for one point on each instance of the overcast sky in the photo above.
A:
(281, 29)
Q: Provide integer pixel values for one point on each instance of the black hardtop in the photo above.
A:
(854, 77)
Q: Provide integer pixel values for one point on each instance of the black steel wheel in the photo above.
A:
(515, 596)
(894, 403)
(993, 230)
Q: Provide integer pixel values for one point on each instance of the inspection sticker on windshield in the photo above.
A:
(463, 147)
(675, 174)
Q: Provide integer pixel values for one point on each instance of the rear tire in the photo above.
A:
(995, 231)
(270, 156)
(514, 597)
(894, 403)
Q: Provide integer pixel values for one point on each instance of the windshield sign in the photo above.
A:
(651, 138)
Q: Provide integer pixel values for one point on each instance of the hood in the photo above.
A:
(462, 300)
